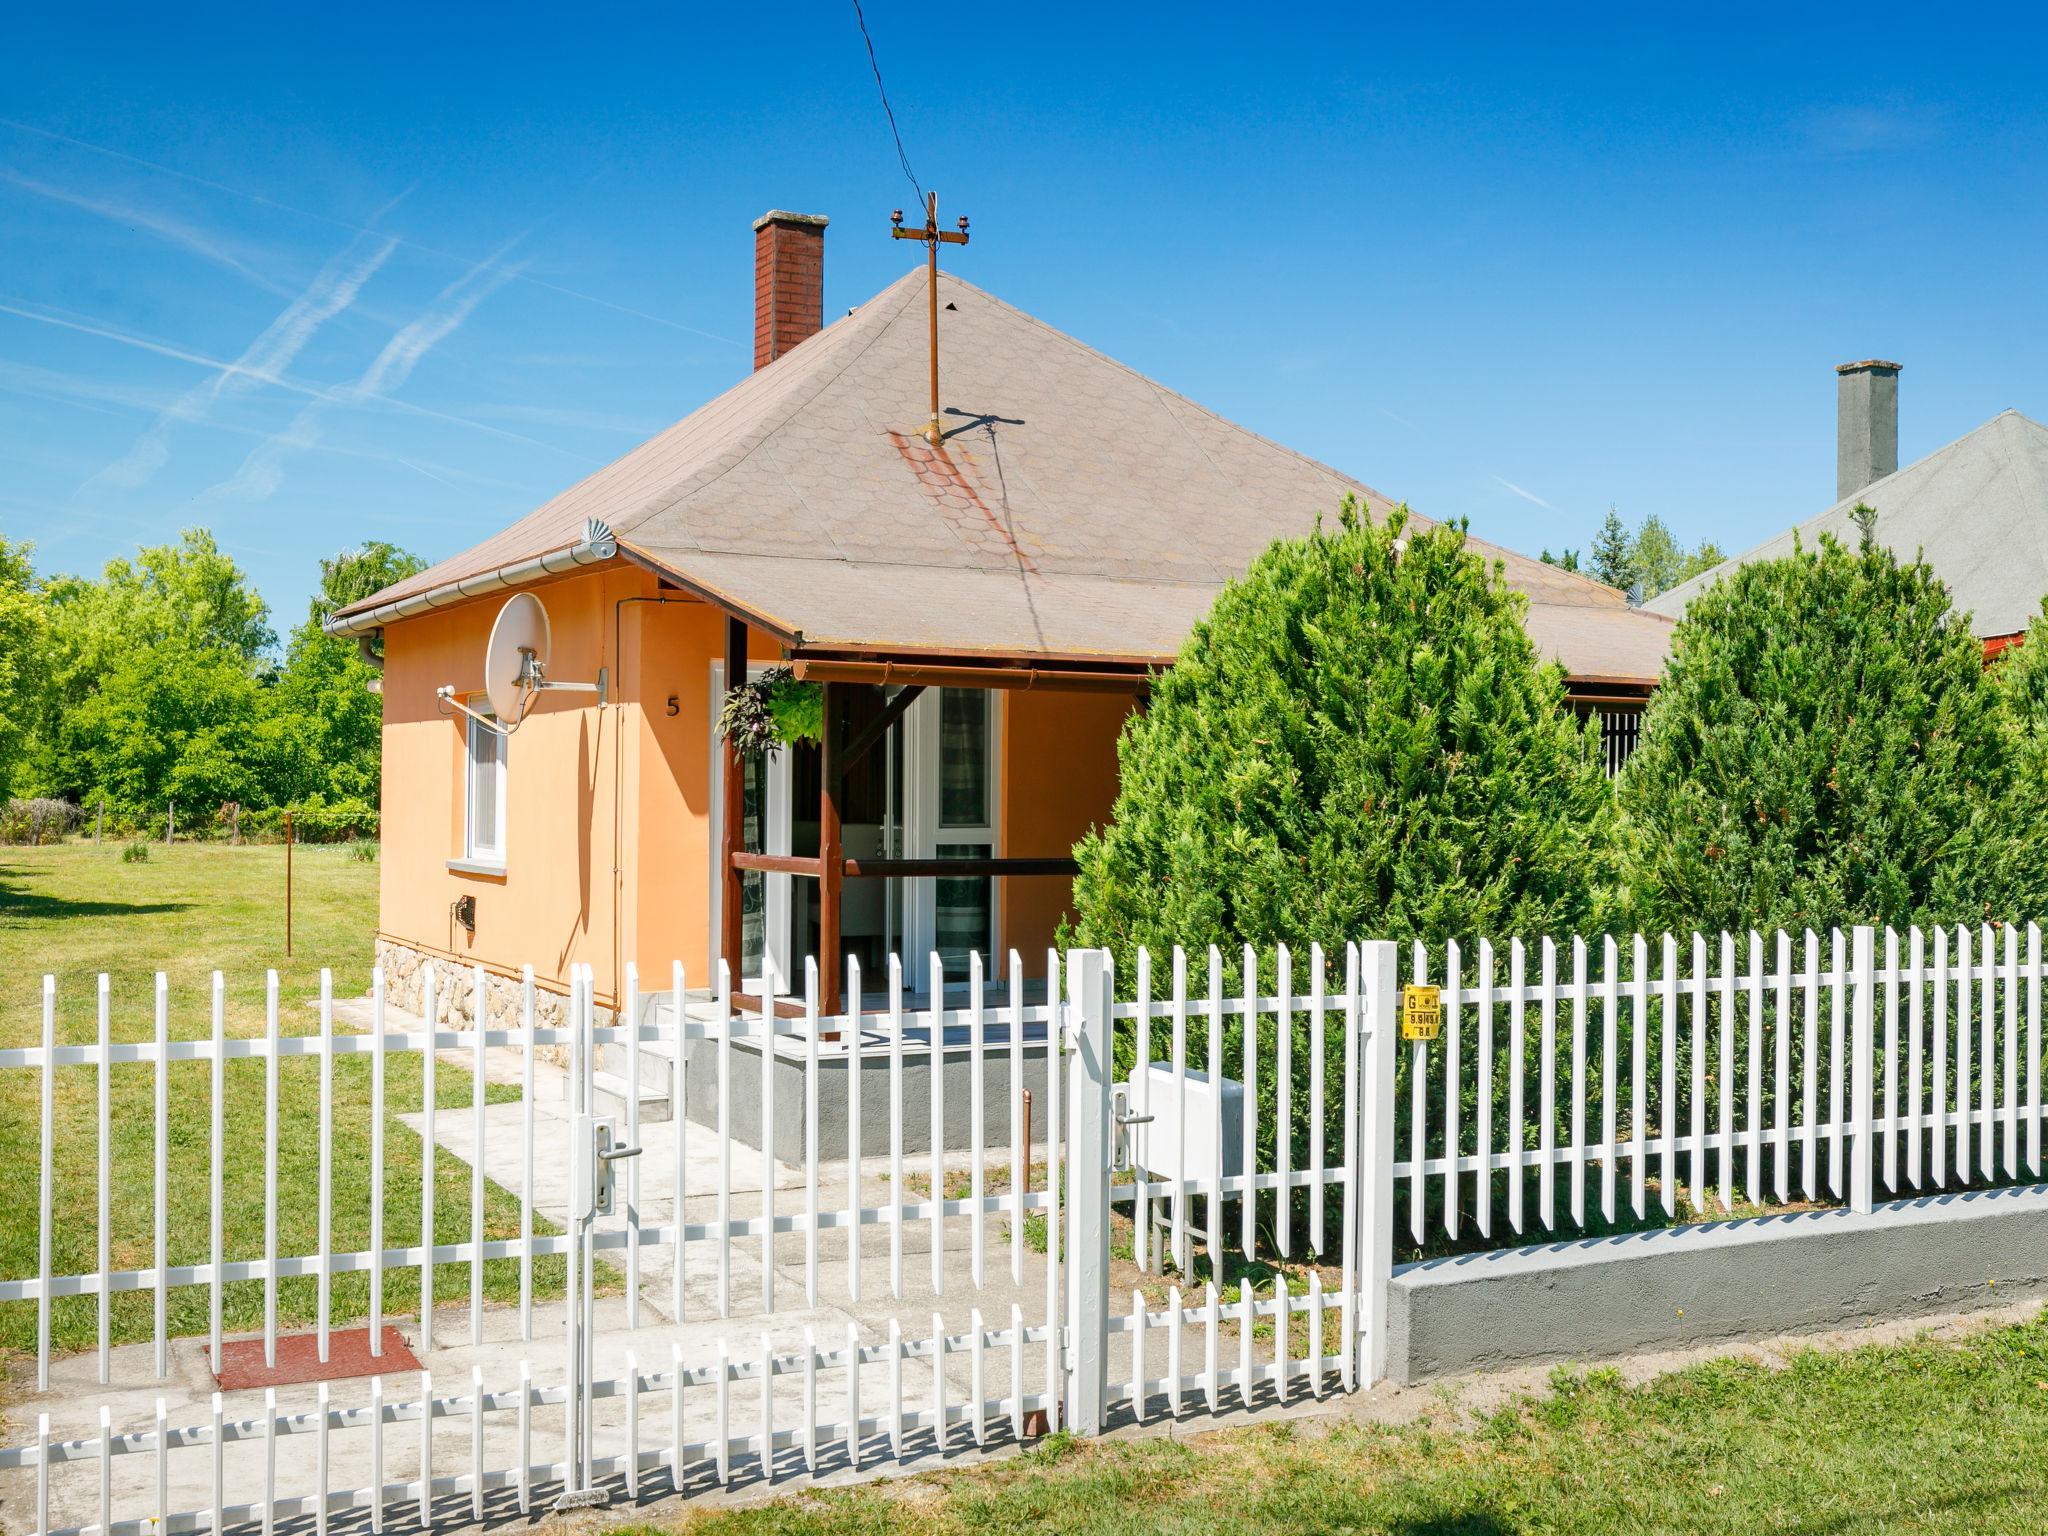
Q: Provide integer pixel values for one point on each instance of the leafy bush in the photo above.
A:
(36, 822)
(1358, 742)
(1823, 749)
(317, 822)
(772, 711)
(363, 852)
(136, 852)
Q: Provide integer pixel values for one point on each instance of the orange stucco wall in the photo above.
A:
(1059, 778)
(608, 848)
(607, 852)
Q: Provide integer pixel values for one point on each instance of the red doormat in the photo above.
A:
(298, 1359)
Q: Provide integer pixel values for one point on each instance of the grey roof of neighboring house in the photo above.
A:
(1977, 510)
(1078, 509)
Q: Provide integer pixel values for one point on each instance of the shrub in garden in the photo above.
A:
(136, 852)
(1823, 749)
(1359, 741)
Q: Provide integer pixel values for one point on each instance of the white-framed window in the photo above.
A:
(483, 836)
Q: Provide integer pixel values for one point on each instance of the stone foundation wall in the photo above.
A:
(405, 987)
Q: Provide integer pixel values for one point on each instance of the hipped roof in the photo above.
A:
(1977, 510)
(1076, 509)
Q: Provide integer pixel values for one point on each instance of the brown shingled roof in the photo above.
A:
(1077, 508)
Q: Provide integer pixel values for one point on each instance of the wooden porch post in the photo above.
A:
(733, 821)
(831, 847)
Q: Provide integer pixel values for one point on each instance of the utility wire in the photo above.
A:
(887, 110)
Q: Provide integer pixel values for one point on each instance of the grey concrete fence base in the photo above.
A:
(1694, 1285)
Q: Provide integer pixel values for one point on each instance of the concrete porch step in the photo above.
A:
(610, 1094)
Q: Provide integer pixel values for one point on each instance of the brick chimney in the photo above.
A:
(1866, 424)
(789, 281)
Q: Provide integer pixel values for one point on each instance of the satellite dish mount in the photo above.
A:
(516, 667)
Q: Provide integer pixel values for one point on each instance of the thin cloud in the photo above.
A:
(1524, 493)
(359, 229)
(186, 236)
(332, 291)
(262, 472)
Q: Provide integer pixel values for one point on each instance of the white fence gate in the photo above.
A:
(893, 1275)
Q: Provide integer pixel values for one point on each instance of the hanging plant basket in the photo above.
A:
(767, 713)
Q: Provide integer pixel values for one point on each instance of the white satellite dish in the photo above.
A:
(516, 659)
(516, 666)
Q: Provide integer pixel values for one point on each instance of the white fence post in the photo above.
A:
(1089, 1070)
(1376, 1176)
(1863, 1062)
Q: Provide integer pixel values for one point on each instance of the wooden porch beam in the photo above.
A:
(877, 869)
(831, 842)
(733, 774)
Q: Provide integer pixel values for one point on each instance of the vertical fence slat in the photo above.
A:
(678, 1113)
(1354, 1181)
(527, 1141)
(1753, 1163)
(977, 1117)
(1578, 1003)
(1987, 1055)
(935, 1039)
(1213, 1005)
(810, 1158)
(1724, 1004)
(896, 1127)
(1938, 1094)
(1962, 1058)
(1483, 1119)
(2011, 1108)
(1518, 1055)
(1610, 1088)
(1318, 1112)
(1667, 1097)
(1809, 983)
(726, 1021)
(1020, 1149)
(1546, 1129)
(1055, 1143)
(162, 1143)
(771, 988)
(1781, 1076)
(216, 1151)
(430, 1003)
(1639, 1053)
(1418, 1108)
(630, 1019)
(269, 1174)
(1863, 1068)
(377, 1048)
(1248, 1201)
(104, 1086)
(1454, 1084)
(852, 1036)
(325, 1300)
(1891, 1059)
(2034, 1047)
(1838, 967)
(1283, 1093)
(1916, 1026)
(1701, 1024)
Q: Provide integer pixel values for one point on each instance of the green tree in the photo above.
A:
(169, 722)
(1660, 562)
(323, 695)
(1568, 561)
(1358, 741)
(1614, 553)
(23, 658)
(1822, 750)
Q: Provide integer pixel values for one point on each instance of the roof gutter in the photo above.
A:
(596, 544)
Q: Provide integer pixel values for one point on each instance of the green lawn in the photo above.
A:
(76, 910)
(1923, 1437)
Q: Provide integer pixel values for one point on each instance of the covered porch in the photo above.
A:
(898, 833)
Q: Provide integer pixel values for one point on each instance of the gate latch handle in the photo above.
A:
(613, 1154)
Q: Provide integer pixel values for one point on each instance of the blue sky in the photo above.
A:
(404, 273)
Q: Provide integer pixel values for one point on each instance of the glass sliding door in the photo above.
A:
(963, 908)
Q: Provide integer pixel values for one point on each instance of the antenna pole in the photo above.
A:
(933, 237)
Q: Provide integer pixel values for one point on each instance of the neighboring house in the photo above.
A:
(1976, 510)
(983, 615)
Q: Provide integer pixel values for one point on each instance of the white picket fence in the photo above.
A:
(1752, 1069)
(626, 1425)
(1613, 1083)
